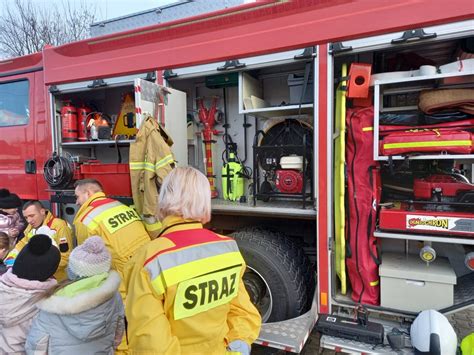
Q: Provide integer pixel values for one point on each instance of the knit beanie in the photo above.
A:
(9, 200)
(89, 259)
(38, 260)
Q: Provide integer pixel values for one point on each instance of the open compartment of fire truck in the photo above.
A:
(259, 160)
(403, 155)
(95, 122)
(262, 126)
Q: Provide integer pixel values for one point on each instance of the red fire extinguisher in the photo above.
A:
(69, 122)
(82, 118)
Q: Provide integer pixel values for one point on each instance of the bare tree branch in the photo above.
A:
(26, 28)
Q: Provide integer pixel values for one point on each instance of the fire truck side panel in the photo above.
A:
(236, 34)
(43, 132)
(263, 28)
(25, 138)
(323, 207)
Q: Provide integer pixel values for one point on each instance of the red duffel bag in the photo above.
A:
(467, 124)
(427, 141)
(363, 187)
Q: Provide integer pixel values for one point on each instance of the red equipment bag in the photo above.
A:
(364, 190)
(427, 141)
(467, 124)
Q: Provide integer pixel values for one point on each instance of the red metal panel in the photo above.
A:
(249, 30)
(43, 133)
(21, 63)
(31, 141)
(432, 222)
(322, 226)
(17, 144)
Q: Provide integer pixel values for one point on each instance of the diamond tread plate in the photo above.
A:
(149, 91)
(288, 334)
(163, 14)
(464, 289)
(462, 322)
(356, 347)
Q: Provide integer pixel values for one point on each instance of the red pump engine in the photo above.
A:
(443, 205)
(440, 186)
(289, 181)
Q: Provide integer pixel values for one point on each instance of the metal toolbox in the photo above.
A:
(407, 277)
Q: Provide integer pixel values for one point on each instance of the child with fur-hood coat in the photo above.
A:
(20, 289)
(11, 222)
(84, 315)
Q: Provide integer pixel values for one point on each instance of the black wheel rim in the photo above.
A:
(259, 292)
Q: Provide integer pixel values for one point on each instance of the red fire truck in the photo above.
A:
(276, 72)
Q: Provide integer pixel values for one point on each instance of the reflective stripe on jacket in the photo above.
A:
(119, 226)
(62, 239)
(186, 295)
(150, 161)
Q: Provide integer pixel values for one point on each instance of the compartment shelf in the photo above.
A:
(271, 208)
(278, 111)
(94, 143)
(272, 94)
(424, 237)
(378, 107)
(463, 297)
(422, 77)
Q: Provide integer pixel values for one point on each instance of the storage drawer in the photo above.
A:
(407, 277)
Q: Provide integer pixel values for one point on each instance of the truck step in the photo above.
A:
(462, 321)
(355, 347)
(289, 335)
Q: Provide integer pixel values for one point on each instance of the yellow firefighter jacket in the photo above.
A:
(61, 235)
(150, 161)
(119, 226)
(185, 293)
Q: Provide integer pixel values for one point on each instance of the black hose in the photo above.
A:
(226, 124)
(246, 125)
(58, 172)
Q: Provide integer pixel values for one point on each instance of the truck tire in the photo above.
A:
(279, 277)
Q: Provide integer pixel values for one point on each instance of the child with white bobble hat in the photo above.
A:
(89, 259)
(85, 314)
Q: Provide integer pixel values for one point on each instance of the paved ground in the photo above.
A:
(311, 348)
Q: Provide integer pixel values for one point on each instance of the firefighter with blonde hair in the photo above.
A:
(185, 292)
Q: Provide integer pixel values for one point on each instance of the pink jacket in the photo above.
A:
(18, 298)
(13, 225)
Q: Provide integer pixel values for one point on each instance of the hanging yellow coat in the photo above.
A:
(185, 293)
(150, 161)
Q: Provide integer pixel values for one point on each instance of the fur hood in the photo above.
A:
(84, 301)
